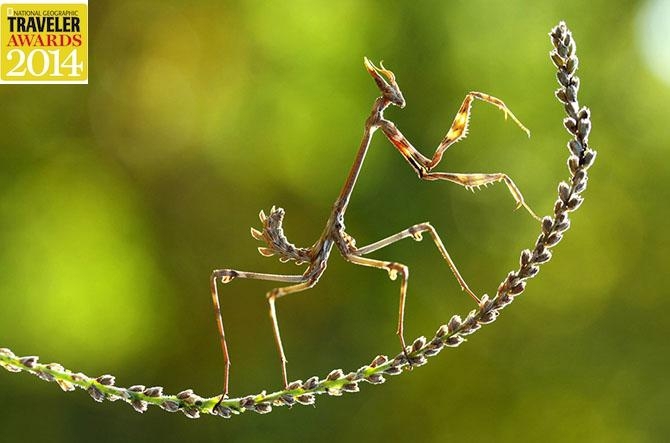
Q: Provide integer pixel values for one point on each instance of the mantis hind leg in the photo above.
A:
(272, 296)
(226, 276)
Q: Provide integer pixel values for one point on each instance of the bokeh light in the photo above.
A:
(653, 36)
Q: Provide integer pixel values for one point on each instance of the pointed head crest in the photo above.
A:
(385, 80)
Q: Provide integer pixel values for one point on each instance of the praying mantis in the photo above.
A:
(334, 234)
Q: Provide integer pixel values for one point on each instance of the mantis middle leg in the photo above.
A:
(394, 269)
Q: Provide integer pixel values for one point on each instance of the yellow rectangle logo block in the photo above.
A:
(43, 42)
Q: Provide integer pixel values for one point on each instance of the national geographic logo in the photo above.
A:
(43, 42)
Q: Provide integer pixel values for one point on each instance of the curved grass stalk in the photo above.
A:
(452, 334)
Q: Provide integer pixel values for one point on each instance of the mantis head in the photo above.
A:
(386, 83)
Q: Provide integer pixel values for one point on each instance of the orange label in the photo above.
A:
(43, 42)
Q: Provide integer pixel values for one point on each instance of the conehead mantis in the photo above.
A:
(334, 234)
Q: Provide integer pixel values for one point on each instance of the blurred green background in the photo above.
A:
(117, 199)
